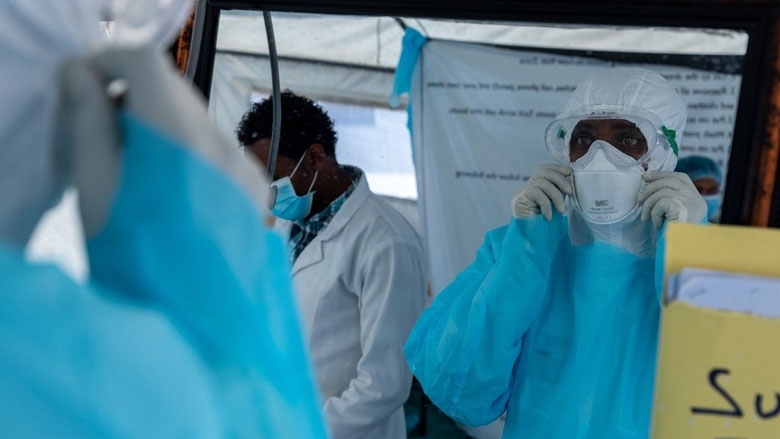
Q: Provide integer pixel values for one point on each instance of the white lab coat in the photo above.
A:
(360, 288)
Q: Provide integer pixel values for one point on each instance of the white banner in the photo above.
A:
(479, 115)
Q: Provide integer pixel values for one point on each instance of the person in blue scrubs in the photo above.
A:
(555, 322)
(185, 325)
(708, 179)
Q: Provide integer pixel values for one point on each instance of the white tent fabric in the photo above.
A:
(375, 41)
(238, 76)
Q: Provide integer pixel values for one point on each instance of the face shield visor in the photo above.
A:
(569, 139)
(608, 153)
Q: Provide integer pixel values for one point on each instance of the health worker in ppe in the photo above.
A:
(186, 325)
(708, 179)
(556, 320)
(358, 268)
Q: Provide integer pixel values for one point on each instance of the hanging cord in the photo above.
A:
(277, 104)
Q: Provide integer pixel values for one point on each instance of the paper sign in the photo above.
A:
(735, 249)
(718, 374)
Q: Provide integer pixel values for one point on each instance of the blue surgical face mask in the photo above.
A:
(288, 205)
(713, 207)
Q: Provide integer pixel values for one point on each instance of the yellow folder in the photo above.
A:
(718, 372)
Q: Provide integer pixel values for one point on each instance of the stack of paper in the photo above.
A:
(742, 293)
(718, 355)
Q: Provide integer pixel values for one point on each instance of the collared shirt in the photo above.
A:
(302, 233)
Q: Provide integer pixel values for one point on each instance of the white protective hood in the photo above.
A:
(629, 91)
(632, 91)
(35, 37)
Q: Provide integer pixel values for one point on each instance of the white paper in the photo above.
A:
(742, 293)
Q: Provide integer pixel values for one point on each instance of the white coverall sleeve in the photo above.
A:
(464, 348)
(393, 296)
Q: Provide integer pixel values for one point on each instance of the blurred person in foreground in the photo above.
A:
(185, 326)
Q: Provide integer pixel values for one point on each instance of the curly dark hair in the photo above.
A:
(304, 122)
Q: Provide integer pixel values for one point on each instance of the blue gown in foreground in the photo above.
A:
(186, 328)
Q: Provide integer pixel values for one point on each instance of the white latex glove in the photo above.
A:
(673, 196)
(546, 188)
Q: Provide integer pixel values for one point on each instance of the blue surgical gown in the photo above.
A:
(184, 243)
(76, 364)
(562, 338)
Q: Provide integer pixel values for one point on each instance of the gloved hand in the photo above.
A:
(545, 189)
(673, 196)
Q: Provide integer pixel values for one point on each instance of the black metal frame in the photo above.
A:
(757, 19)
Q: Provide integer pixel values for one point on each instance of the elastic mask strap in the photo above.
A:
(299, 164)
(671, 136)
(296, 168)
(312, 181)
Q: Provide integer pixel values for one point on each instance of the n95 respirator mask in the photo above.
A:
(606, 184)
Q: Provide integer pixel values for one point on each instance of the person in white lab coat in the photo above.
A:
(358, 266)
